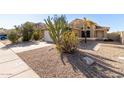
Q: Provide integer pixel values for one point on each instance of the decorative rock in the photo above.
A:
(88, 60)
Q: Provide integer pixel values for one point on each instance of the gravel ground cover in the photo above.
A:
(47, 62)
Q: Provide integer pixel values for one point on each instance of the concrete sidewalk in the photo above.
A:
(26, 46)
(11, 66)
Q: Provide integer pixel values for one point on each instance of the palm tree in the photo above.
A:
(86, 25)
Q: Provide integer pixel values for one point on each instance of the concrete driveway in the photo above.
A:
(11, 66)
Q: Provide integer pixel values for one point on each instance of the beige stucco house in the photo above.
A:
(93, 32)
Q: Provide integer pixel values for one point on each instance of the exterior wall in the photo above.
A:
(100, 35)
(92, 32)
(114, 36)
(47, 37)
(105, 34)
(122, 37)
(78, 33)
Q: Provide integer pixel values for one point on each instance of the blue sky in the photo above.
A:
(114, 21)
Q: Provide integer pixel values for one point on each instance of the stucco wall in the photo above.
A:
(93, 34)
(114, 36)
(122, 37)
(100, 35)
(78, 33)
(47, 37)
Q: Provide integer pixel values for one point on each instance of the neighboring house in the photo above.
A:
(3, 31)
(46, 32)
(40, 25)
(93, 32)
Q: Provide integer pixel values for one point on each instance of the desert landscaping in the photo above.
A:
(57, 49)
(54, 64)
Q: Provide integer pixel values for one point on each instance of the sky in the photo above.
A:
(114, 21)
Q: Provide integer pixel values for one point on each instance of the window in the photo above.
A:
(87, 33)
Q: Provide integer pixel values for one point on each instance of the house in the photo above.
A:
(94, 31)
(122, 37)
(3, 31)
(42, 26)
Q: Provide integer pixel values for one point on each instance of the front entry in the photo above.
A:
(87, 34)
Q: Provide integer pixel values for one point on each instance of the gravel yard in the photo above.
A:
(48, 62)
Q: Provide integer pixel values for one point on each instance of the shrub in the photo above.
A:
(69, 42)
(38, 34)
(13, 36)
(27, 31)
(65, 40)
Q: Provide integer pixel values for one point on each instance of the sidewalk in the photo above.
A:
(11, 66)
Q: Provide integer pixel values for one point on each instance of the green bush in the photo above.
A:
(13, 36)
(69, 42)
(37, 35)
(27, 31)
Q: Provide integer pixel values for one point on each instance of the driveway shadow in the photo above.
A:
(100, 69)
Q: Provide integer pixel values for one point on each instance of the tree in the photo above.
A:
(56, 26)
(66, 41)
(27, 31)
(86, 25)
(18, 29)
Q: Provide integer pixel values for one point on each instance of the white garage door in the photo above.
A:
(47, 37)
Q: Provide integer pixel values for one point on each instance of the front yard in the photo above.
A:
(48, 62)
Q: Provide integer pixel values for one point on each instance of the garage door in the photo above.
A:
(100, 35)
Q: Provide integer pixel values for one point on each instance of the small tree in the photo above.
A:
(38, 34)
(27, 31)
(56, 26)
(65, 40)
